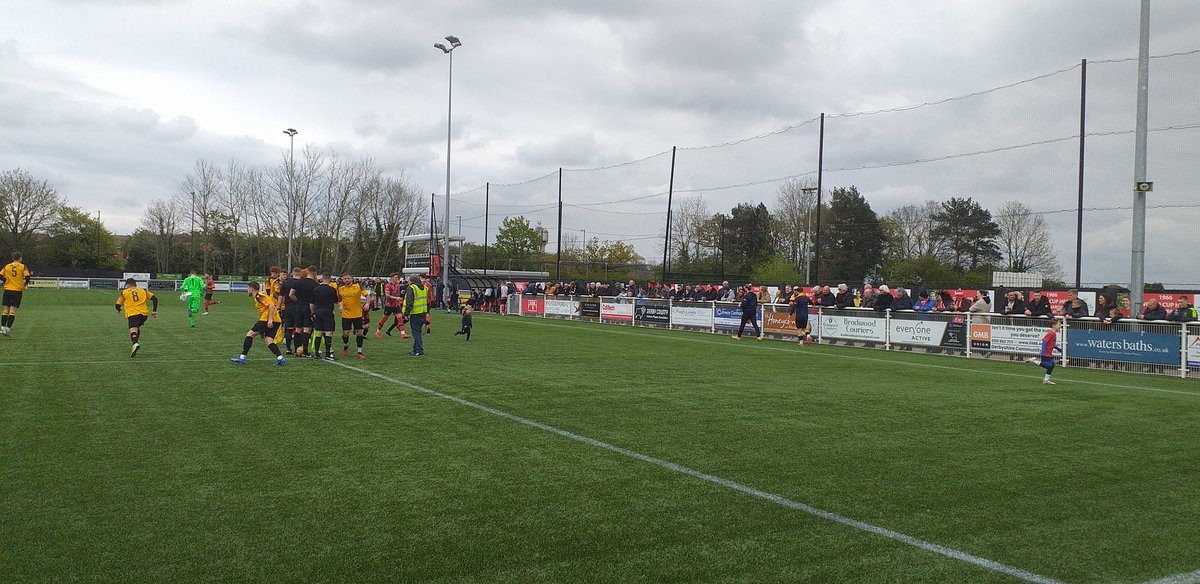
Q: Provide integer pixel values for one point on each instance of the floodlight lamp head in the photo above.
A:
(442, 47)
(454, 42)
(291, 132)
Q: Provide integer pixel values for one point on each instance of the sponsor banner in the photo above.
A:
(731, 318)
(697, 315)
(778, 322)
(139, 276)
(43, 283)
(239, 287)
(103, 284)
(1193, 351)
(221, 286)
(589, 308)
(168, 276)
(955, 335)
(161, 285)
(532, 305)
(74, 284)
(520, 286)
(1016, 339)
(552, 307)
(652, 313)
(615, 311)
(924, 333)
(1130, 346)
(861, 328)
(228, 278)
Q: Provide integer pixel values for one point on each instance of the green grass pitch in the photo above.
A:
(178, 465)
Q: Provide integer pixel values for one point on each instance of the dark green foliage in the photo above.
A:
(852, 244)
(967, 235)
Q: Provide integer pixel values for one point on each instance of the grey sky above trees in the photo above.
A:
(113, 104)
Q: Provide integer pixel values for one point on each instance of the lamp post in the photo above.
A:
(807, 236)
(291, 132)
(449, 51)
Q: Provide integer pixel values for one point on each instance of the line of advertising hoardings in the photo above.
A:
(953, 333)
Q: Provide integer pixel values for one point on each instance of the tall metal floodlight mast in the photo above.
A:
(1137, 270)
(291, 132)
(449, 51)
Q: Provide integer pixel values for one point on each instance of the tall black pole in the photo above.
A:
(667, 239)
(558, 258)
(1082, 139)
(721, 246)
(820, 165)
(487, 187)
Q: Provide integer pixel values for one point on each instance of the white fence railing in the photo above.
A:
(1155, 347)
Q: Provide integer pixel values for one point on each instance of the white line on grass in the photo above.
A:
(736, 486)
(1188, 578)
(687, 336)
(124, 360)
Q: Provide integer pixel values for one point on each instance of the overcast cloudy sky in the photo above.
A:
(113, 101)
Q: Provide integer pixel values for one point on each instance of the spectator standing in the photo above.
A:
(981, 305)
(925, 303)
(1038, 305)
(844, 297)
(1183, 312)
(1152, 310)
(903, 301)
(1014, 305)
(1075, 307)
(883, 300)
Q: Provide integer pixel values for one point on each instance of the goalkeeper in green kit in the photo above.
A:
(193, 294)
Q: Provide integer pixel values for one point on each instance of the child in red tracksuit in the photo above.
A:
(1049, 346)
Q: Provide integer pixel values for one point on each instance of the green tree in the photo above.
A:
(27, 206)
(748, 240)
(852, 246)
(79, 240)
(968, 235)
(924, 270)
(517, 239)
(777, 270)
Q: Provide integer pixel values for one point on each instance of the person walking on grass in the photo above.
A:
(749, 313)
(16, 277)
(1049, 346)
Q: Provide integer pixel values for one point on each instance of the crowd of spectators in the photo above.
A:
(878, 298)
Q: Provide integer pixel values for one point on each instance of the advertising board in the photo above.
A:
(692, 315)
(1128, 346)
(655, 313)
(616, 311)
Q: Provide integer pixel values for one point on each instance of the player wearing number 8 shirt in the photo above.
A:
(133, 300)
(16, 277)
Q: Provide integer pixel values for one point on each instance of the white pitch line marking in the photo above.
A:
(1187, 578)
(733, 485)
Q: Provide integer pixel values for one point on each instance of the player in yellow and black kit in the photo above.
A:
(267, 325)
(350, 294)
(16, 277)
(133, 300)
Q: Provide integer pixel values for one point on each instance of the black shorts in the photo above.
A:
(390, 310)
(801, 324)
(323, 320)
(300, 316)
(208, 295)
(352, 324)
(12, 298)
(136, 320)
(268, 332)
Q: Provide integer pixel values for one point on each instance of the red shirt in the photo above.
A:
(208, 286)
(1048, 343)
(390, 290)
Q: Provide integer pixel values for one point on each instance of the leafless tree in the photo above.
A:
(794, 218)
(162, 221)
(389, 209)
(909, 231)
(1025, 240)
(688, 222)
(201, 191)
(27, 206)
